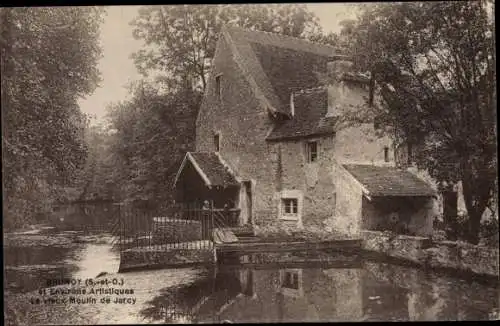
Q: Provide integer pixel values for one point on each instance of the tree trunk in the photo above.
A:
(473, 224)
(477, 192)
(450, 214)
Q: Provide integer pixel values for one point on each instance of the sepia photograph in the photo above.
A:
(249, 163)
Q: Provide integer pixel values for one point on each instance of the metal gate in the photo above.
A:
(180, 226)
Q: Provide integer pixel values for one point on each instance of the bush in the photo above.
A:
(488, 232)
(489, 228)
(458, 229)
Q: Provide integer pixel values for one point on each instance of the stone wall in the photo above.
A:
(399, 246)
(463, 256)
(151, 258)
(360, 145)
(459, 256)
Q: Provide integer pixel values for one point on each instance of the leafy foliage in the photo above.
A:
(436, 71)
(150, 135)
(181, 40)
(94, 179)
(49, 58)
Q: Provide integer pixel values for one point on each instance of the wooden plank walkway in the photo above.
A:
(222, 236)
(287, 246)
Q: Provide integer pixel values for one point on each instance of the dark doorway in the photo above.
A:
(248, 198)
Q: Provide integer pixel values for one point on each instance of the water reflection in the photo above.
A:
(55, 251)
(376, 292)
(94, 218)
(27, 268)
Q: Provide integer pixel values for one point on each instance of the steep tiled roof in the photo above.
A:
(309, 118)
(283, 41)
(214, 169)
(249, 48)
(389, 181)
(210, 168)
(356, 77)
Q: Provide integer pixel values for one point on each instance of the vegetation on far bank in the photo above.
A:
(49, 61)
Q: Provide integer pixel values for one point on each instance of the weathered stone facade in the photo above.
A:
(243, 125)
(238, 109)
(313, 180)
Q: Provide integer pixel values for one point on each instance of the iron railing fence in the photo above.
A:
(180, 226)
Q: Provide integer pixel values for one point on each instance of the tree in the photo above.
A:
(151, 134)
(436, 71)
(181, 39)
(94, 180)
(49, 59)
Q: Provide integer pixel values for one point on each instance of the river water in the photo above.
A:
(362, 291)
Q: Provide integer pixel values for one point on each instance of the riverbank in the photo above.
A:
(453, 257)
(450, 256)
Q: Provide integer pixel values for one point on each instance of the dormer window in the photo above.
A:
(217, 142)
(312, 151)
(218, 88)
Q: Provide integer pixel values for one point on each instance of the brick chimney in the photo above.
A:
(335, 71)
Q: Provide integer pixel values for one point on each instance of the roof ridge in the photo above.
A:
(240, 42)
(227, 166)
(310, 90)
(389, 183)
(247, 30)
